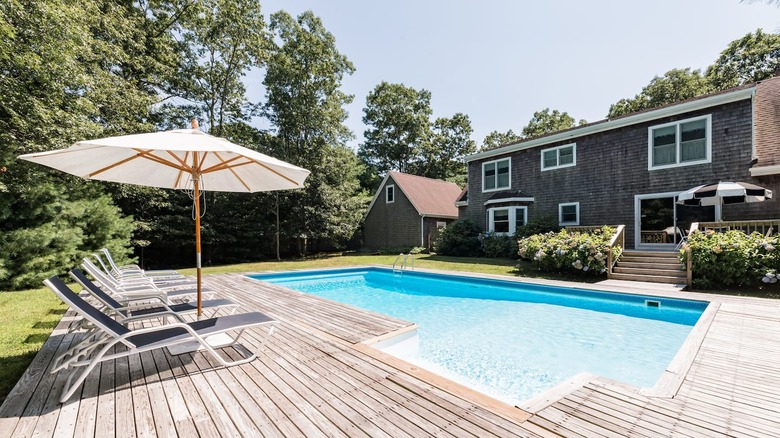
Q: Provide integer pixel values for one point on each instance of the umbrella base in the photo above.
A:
(215, 341)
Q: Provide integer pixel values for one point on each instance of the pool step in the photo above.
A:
(649, 266)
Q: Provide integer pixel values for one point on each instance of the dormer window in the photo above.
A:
(496, 175)
(390, 194)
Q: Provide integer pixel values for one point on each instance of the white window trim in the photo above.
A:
(386, 192)
(557, 150)
(678, 149)
(484, 190)
(512, 218)
(560, 213)
(441, 224)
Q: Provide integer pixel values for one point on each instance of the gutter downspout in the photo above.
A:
(753, 152)
(422, 231)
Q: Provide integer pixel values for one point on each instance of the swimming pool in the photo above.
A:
(513, 340)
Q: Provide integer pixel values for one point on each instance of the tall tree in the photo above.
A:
(442, 156)
(398, 118)
(305, 105)
(64, 73)
(752, 58)
(496, 139)
(546, 122)
(674, 86)
(226, 38)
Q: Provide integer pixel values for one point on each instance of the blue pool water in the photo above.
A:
(512, 340)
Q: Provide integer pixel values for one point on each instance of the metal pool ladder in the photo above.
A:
(403, 259)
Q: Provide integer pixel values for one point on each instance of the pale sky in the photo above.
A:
(498, 61)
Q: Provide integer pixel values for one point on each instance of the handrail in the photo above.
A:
(761, 226)
(403, 258)
(689, 264)
(620, 233)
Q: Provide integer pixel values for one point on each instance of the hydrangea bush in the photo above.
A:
(584, 252)
(732, 258)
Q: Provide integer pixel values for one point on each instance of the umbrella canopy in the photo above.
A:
(177, 159)
(724, 193)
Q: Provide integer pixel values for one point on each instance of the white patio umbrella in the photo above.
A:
(177, 159)
(724, 193)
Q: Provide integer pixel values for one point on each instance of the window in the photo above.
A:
(441, 224)
(569, 213)
(390, 194)
(506, 220)
(495, 175)
(680, 143)
(558, 157)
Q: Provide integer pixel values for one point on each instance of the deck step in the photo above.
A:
(675, 272)
(651, 265)
(648, 278)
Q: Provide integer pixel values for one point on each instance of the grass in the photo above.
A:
(28, 318)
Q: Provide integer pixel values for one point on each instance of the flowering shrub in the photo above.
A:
(572, 251)
(732, 258)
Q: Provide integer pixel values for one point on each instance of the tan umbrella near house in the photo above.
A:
(178, 159)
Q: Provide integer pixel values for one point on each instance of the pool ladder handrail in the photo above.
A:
(403, 258)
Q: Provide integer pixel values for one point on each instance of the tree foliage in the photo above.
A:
(398, 120)
(674, 86)
(546, 122)
(226, 38)
(306, 107)
(66, 74)
(496, 139)
(752, 58)
(441, 157)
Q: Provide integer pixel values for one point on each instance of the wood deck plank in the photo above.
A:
(310, 380)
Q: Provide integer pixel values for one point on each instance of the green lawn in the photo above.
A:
(27, 318)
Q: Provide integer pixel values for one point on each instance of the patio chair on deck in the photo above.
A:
(137, 269)
(110, 333)
(124, 313)
(138, 291)
(176, 280)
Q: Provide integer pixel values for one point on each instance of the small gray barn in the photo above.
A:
(409, 210)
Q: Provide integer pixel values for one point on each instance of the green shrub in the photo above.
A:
(569, 251)
(499, 245)
(459, 239)
(539, 225)
(732, 258)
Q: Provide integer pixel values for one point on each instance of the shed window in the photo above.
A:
(390, 194)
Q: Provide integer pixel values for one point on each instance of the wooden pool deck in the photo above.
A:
(315, 378)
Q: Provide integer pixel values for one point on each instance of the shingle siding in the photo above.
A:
(394, 224)
(612, 168)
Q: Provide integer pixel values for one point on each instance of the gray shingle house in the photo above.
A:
(409, 210)
(629, 170)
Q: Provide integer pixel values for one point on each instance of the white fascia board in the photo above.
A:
(502, 200)
(376, 195)
(608, 125)
(461, 203)
(764, 170)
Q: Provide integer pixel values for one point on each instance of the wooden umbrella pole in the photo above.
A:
(196, 183)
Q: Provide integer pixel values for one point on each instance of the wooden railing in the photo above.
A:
(770, 226)
(618, 238)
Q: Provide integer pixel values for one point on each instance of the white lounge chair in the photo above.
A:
(125, 313)
(109, 333)
(138, 290)
(135, 268)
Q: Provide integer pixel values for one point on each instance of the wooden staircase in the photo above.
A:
(650, 266)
